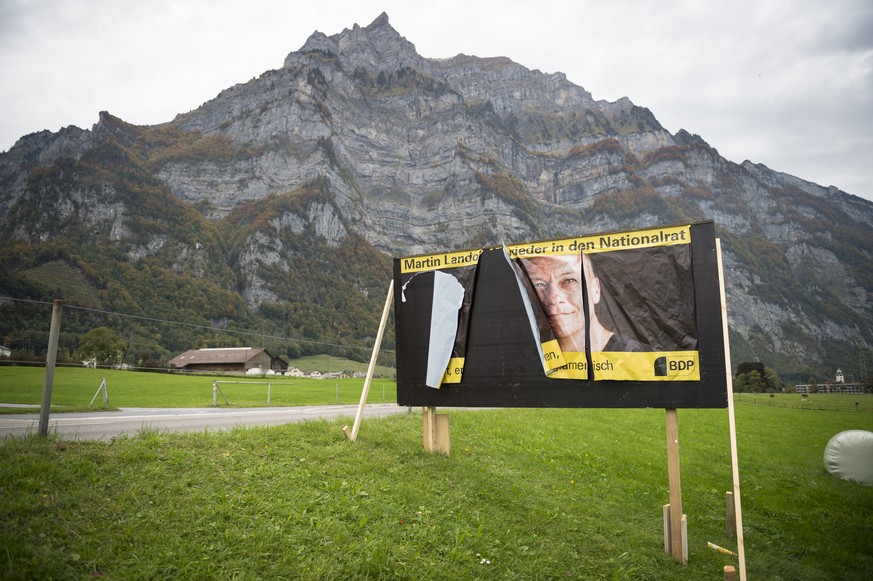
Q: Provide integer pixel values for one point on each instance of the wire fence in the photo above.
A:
(861, 403)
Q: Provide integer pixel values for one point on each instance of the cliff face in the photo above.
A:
(414, 155)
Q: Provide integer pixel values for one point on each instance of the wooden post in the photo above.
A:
(50, 361)
(730, 573)
(444, 442)
(667, 528)
(730, 515)
(428, 421)
(673, 474)
(435, 429)
(735, 469)
(683, 532)
(353, 434)
(668, 542)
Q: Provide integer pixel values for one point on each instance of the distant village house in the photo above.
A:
(294, 372)
(229, 360)
(839, 385)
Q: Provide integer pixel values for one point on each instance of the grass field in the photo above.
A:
(74, 387)
(525, 494)
(835, 402)
(327, 363)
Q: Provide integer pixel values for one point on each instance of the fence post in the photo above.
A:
(51, 359)
(105, 394)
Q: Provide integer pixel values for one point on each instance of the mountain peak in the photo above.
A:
(377, 46)
(381, 21)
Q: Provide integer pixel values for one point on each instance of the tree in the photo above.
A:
(772, 381)
(740, 383)
(754, 377)
(102, 345)
(754, 382)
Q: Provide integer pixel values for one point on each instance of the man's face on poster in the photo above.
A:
(558, 283)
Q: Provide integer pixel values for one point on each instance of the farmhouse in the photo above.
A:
(294, 372)
(233, 360)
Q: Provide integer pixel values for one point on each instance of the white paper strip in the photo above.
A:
(448, 296)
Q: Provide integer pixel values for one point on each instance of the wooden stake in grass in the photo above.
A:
(436, 431)
(730, 515)
(676, 525)
(353, 434)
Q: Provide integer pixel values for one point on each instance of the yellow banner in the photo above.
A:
(454, 370)
(440, 261)
(553, 358)
(575, 366)
(604, 242)
(647, 366)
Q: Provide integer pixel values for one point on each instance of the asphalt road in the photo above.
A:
(128, 421)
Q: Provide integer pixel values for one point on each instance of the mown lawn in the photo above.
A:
(525, 494)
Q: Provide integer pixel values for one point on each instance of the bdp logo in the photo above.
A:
(673, 366)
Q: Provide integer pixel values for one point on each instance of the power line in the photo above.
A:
(192, 325)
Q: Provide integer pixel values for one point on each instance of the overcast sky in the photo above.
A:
(786, 83)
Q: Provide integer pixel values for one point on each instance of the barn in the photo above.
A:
(229, 360)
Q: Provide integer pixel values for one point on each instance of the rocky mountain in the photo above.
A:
(279, 203)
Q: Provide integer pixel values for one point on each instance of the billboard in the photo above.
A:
(618, 319)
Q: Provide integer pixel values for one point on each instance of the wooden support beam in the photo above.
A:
(428, 420)
(668, 540)
(352, 434)
(436, 431)
(730, 515)
(673, 475)
(443, 441)
(667, 528)
(732, 425)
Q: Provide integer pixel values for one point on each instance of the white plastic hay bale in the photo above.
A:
(849, 455)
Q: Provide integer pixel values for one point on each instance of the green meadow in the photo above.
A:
(73, 389)
(524, 494)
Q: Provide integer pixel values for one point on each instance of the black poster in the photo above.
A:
(622, 319)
